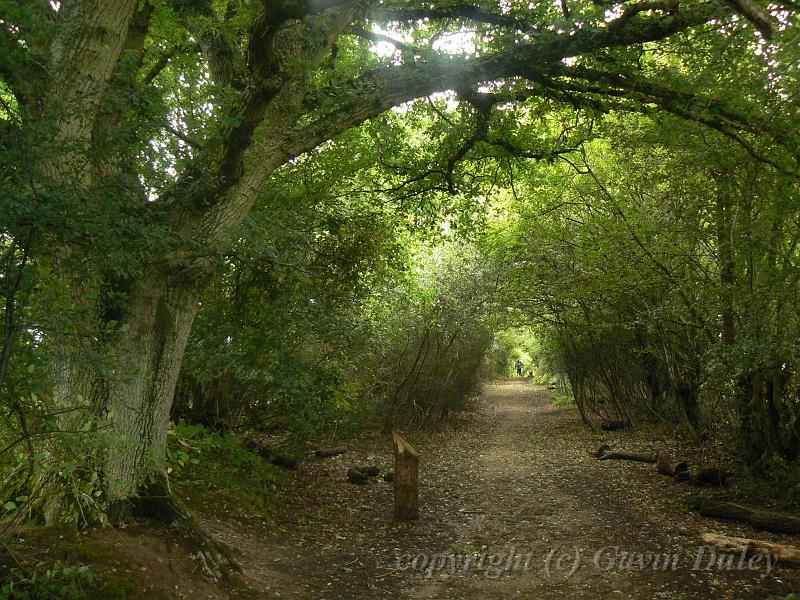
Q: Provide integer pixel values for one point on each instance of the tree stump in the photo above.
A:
(406, 491)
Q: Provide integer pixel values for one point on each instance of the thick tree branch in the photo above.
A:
(379, 90)
(271, 103)
(217, 193)
(268, 31)
(221, 53)
(581, 95)
(759, 17)
(464, 12)
(84, 59)
(709, 111)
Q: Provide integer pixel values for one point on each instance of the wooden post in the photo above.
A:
(406, 492)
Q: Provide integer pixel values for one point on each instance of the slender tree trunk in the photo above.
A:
(725, 260)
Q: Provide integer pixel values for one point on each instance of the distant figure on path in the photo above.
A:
(519, 367)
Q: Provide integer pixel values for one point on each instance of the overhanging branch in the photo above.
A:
(378, 37)
(216, 196)
(463, 12)
(688, 105)
(378, 90)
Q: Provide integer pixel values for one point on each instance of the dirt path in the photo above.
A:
(511, 481)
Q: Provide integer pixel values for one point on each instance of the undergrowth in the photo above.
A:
(218, 472)
(59, 580)
(562, 400)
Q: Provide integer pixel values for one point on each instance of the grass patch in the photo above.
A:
(465, 550)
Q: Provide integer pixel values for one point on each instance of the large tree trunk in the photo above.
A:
(140, 399)
(132, 397)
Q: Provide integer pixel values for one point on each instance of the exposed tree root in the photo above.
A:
(156, 501)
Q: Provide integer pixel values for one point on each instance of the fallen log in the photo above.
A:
(272, 456)
(666, 466)
(755, 517)
(645, 458)
(614, 425)
(329, 452)
(783, 552)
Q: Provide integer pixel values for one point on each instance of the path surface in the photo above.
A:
(513, 478)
